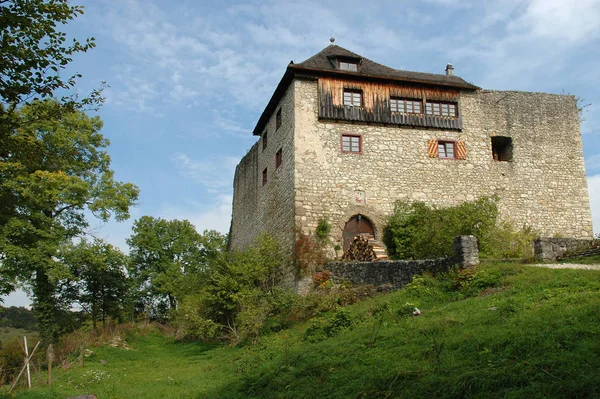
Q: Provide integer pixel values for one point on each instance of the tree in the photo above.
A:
(97, 281)
(33, 53)
(53, 169)
(169, 259)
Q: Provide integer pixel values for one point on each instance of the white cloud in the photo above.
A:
(560, 20)
(214, 173)
(216, 216)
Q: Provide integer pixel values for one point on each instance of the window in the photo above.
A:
(278, 119)
(348, 66)
(441, 109)
(278, 158)
(351, 143)
(405, 106)
(264, 176)
(446, 149)
(502, 148)
(264, 141)
(353, 98)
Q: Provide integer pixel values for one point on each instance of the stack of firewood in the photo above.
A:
(360, 250)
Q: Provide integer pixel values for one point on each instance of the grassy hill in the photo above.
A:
(506, 331)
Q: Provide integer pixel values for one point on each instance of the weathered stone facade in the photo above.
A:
(543, 185)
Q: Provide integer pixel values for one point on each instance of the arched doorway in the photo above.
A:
(358, 224)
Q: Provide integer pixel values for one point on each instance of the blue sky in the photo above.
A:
(189, 79)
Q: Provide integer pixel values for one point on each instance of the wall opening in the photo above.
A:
(502, 148)
(358, 224)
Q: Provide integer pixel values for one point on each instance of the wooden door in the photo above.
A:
(357, 224)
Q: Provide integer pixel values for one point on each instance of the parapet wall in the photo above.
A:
(399, 273)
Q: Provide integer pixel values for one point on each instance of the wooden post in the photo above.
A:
(81, 353)
(27, 362)
(50, 359)
(27, 359)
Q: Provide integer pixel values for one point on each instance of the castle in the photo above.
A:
(342, 138)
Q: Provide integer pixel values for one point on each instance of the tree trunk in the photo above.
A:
(44, 306)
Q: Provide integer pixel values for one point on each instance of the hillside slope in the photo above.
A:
(503, 331)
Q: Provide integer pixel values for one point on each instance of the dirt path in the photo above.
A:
(567, 266)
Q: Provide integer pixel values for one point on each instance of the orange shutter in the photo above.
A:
(432, 148)
(461, 150)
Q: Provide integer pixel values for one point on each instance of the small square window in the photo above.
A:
(353, 98)
(446, 149)
(502, 148)
(352, 144)
(264, 176)
(265, 140)
(278, 119)
(278, 158)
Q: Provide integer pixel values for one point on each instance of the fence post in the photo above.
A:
(81, 354)
(50, 359)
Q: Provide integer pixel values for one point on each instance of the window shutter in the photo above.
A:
(432, 148)
(461, 150)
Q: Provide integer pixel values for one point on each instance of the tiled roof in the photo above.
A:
(323, 61)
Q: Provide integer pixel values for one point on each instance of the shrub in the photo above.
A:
(419, 231)
(323, 230)
(308, 254)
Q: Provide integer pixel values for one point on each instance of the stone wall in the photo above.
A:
(267, 208)
(549, 248)
(544, 186)
(400, 272)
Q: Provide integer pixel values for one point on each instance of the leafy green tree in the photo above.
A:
(169, 259)
(52, 170)
(33, 52)
(98, 281)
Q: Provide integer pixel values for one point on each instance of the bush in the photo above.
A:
(418, 231)
(323, 230)
(308, 254)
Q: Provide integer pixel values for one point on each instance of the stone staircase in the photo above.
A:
(378, 248)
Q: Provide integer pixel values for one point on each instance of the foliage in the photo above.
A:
(191, 321)
(322, 279)
(33, 53)
(322, 328)
(17, 317)
(170, 259)
(97, 280)
(322, 231)
(308, 253)
(239, 292)
(418, 231)
(506, 242)
(537, 338)
(52, 171)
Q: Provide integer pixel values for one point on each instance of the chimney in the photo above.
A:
(449, 70)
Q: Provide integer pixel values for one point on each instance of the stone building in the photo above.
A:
(342, 138)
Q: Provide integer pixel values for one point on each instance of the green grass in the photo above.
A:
(512, 331)
(9, 333)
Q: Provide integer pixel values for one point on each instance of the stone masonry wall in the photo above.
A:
(267, 208)
(544, 186)
(551, 248)
(401, 272)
